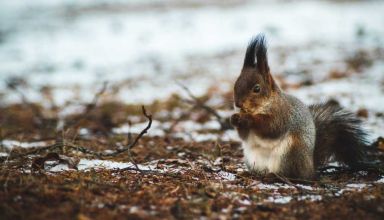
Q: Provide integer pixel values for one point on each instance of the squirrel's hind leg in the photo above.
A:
(297, 163)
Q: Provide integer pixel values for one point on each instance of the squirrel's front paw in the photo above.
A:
(235, 119)
(239, 120)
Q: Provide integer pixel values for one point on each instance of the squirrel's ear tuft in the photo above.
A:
(256, 54)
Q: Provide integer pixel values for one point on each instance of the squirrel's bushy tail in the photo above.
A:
(339, 134)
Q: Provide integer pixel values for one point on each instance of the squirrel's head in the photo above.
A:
(255, 85)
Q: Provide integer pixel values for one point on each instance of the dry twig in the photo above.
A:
(196, 102)
(59, 145)
(131, 145)
(288, 182)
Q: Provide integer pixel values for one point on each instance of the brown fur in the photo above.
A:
(298, 162)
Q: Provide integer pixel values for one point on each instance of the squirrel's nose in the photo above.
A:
(238, 104)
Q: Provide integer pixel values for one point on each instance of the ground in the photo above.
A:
(76, 143)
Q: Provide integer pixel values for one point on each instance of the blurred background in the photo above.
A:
(58, 52)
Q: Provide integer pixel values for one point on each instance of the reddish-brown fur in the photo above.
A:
(304, 136)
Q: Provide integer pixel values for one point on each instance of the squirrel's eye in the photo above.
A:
(256, 88)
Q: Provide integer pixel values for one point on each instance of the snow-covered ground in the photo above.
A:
(145, 48)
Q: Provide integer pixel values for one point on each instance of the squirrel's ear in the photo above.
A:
(256, 55)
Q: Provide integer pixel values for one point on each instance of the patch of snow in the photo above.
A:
(352, 187)
(71, 109)
(198, 137)
(330, 170)
(195, 126)
(226, 113)
(310, 197)
(273, 186)
(181, 154)
(10, 144)
(305, 187)
(225, 210)
(108, 151)
(226, 175)
(279, 199)
(363, 173)
(155, 165)
(239, 209)
(381, 180)
(84, 131)
(335, 164)
(86, 164)
(59, 168)
(357, 185)
(286, 199)
(3, 154)
(245, 202)
(134, 209)
(195, 136)
(230, 135)
(214, 125)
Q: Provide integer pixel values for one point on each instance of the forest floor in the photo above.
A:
(187, 165)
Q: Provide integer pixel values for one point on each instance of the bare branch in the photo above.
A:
(224, 123)
(131, 145)
(60, 144)
(35, 151)
(122, 150)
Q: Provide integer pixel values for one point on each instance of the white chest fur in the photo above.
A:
(265, 155)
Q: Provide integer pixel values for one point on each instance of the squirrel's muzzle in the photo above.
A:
(238, 104)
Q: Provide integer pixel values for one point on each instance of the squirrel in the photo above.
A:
(282, 135)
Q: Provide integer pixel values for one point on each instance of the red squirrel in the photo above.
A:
(282, 135)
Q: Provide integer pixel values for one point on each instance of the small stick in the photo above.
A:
(224, 124)
(87, 151)
(35, 151)
(131, 145)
